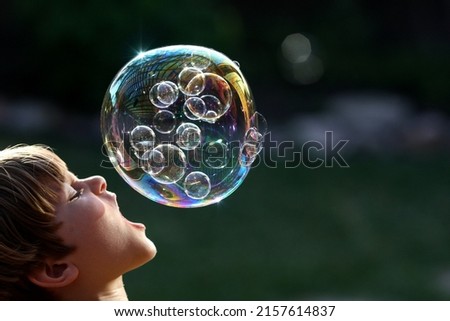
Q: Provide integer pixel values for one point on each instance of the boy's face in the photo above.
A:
(107, 244)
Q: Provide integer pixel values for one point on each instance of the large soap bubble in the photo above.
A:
(179, 125)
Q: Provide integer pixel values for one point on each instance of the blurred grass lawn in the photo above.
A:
(378, 230)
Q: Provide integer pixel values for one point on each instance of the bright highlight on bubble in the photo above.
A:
(180, 126)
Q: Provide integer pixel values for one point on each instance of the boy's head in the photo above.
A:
(30, 180)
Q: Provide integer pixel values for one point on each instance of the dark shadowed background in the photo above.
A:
(374, 73)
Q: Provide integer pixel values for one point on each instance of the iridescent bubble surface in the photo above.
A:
(180, 126)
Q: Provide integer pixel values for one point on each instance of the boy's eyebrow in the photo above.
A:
(71, 177)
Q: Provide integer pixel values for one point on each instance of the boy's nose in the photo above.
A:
(97, 184)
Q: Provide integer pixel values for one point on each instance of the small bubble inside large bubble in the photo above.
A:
(188, 136)
(164, 121)
(163, 94)
(197, 185)
(191, 81)
(196, 108)
(153, 162)
(167, 163)
(142, 138)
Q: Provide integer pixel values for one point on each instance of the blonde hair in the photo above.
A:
(31, 177)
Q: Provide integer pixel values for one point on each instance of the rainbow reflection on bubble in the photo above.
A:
(180, 127)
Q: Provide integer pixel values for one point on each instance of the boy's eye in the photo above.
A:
(77, 194)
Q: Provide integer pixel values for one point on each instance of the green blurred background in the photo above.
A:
(375, 73)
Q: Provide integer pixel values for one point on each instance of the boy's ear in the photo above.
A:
(54, 274)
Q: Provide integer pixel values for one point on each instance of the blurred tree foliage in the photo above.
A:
(68, 51)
